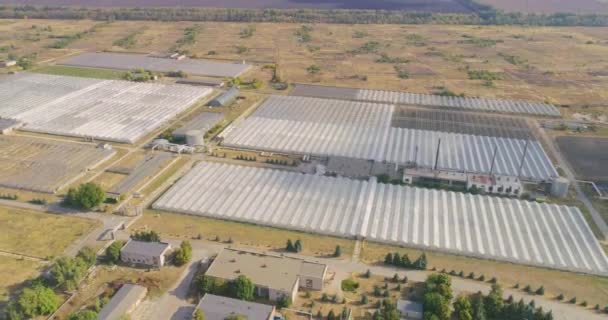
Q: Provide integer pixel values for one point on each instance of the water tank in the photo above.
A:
(559, 187)
(195, 138)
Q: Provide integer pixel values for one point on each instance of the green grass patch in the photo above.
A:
(82, 72)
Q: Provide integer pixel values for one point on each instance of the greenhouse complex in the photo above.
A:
(491, 227)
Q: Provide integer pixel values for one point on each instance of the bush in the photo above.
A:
(540, 291)
(337, 252)
(37, 301)
(349, 285)
(313, 69)
(183, 255)
(83, 315)
(147, 236)
(88, 195)
(364, 299)
(283, 302)
(560, 297)
(573, 300)
(367, 274)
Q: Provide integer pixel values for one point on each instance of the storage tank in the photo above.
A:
(195, 138)
(559, 187)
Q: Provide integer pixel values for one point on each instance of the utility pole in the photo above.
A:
(437, 156)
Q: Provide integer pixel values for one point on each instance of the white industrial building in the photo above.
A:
(511, 230)
(119, 111)
(361, 130)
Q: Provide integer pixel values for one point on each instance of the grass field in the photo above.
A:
(584, 287)
(179, 226)
(39, 234)
(431, 55)
(81, 72)
(14, 272)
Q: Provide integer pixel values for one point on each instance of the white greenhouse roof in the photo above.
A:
(406, 98)
(522, 232)
(110, 110)
(361, 130)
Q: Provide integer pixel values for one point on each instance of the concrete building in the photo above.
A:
(273, 276)
(220, 308)
(123, 302)
(409, 309)
(145, 253)
(226, 98)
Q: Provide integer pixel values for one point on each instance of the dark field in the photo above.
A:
(461, 122)
(587, 156)
(412, 5)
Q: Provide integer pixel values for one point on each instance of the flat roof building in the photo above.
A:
(273, 276)
(144, 253)
(219, 308)
(123, 302)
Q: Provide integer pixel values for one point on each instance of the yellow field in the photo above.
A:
(438, 54)
(584, 287)
(179, 226)
(40, 234)
(14, 272)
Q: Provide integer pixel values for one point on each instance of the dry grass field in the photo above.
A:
(14, 272)
(584, 287)
(561, 65)
(39, 234)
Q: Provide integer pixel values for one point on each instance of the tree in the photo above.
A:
(183, 255)
(396, 260)
(337, 252)
(83, 315)
(87, 255)
(283, 302)
(37, 301)
(389, 311)
(147, 236)
(298, 246)
(438, 296)
(331, 315)
(405, 261)
(198, 315)
(388, 259)
(421, 262)
(67, 272)
(493, 302)
(88, 195)
(113, 251)
(479, 312)
(540, 291)
(463, 308)
(364, 299)
(289, 247)
(242, 288)
(368, 274)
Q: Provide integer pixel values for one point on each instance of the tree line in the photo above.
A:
(481, 15)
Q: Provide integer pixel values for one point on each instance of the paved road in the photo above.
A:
(580, 195)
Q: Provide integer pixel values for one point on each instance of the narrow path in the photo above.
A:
(356, 251)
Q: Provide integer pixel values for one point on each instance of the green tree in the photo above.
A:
(83, 315)
(405, 261)
(183, 255)
(337, 252)
(88, 195)
(289, 247)
(313, 69)
(283, 302)
(479, 312)
(147, 236)
(438, 296)
(421, 262)
(198, 315)
(87, 255)
(331, 315)
(113, 251)
(463, 308)
(389, 311)
(396, 260)
(298, 246)
(37, 301)
(388, 259)
(242, 288)
(493, 302)
(67, 272)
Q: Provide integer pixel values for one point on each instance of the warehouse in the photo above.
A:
(109, 110)
(45, 165)
(362, 130)
(482, 226)
(428, 100)
(126, 61)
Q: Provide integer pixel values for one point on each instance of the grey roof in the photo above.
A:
(202, 122)
(511, 230)
(124, 61)
(226, 97)
(409, 306)
(219, 308)
(429, 100)
(145, 248)
(122, 302)
(8, 124)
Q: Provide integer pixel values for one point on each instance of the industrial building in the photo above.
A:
(221, 308)
(123, 302)
(273, 276)
(226, 98)
(524, 232)
(152, 254)
(364, 133)
(127, 61)
(428, 100)
(119, 111)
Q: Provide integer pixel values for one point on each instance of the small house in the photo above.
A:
(150, 254)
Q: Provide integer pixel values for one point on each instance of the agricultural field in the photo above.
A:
(39, 234)
(504, 62)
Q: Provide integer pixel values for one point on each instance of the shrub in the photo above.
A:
(560, 297)
(88, 195)
(540, 291)
(573, 300)
(349, 285)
